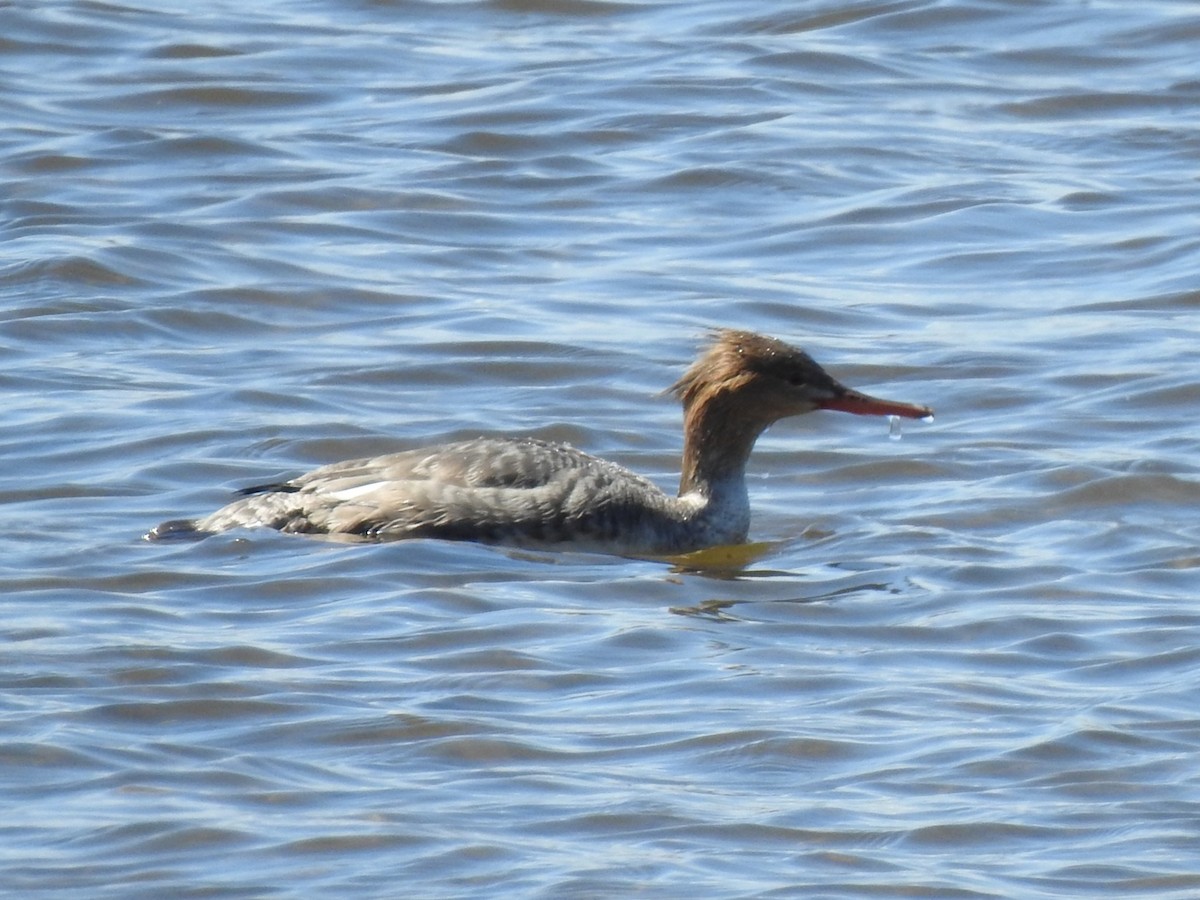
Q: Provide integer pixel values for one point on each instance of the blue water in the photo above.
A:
(242, 240)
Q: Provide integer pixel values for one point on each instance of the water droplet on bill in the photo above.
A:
(894, 428)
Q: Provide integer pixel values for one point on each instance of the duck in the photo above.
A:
(530, 493)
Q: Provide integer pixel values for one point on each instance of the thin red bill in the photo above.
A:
(865, 405)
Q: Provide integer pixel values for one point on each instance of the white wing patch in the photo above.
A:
(353, 493)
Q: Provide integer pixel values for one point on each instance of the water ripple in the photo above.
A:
(246, 243)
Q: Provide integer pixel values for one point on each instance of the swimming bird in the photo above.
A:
(533, 493)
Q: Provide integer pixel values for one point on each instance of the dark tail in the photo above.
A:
(175, 530)
(187, 529)
(278, 487)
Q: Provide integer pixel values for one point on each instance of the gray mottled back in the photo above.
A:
(517, 492)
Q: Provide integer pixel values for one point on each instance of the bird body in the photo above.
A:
(532, 493)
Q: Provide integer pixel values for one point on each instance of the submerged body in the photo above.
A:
(531, 493)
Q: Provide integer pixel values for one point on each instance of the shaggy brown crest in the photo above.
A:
(735, 359)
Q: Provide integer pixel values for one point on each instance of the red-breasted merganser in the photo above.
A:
(531, 493)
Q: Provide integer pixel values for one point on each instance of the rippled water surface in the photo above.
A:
(241, 240)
